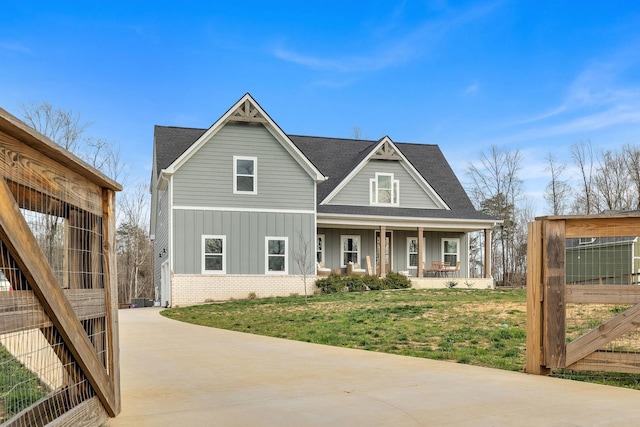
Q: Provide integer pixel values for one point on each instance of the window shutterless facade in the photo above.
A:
(276, 255)
(350, 250)
(451, 250)
(384, 189)
(412, 252)
(214, 254)
(245, 172)
(320, 249)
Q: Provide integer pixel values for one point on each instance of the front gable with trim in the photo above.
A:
(385, 178)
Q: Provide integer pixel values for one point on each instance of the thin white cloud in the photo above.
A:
(472, 89)
(391, 53)
(15, 47)
(594, 100)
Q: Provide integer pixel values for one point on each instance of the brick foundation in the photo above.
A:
(191, 289)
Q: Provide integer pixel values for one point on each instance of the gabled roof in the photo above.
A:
(176, 145)
(171, 142)
(337, 157)
(332, 160)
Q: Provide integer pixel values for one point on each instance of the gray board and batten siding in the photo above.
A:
(161, 242)
(204, 202)
(245, 238)
(206, 179)
(357, 191)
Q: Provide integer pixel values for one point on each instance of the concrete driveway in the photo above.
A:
(176, 374)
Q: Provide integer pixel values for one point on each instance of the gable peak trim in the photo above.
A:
(247, 111)
(386, 151)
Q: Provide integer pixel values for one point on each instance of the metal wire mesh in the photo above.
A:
(39, 377)
(604, 271)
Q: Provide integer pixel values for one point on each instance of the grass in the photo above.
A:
(19, 387)
(478, 327)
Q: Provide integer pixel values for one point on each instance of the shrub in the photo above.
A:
(331, 284)
(374, 283)
(354, 283)
(396, 281)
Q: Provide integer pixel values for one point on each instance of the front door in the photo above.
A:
(388, 252)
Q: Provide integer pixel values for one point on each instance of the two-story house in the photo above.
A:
(242, 207)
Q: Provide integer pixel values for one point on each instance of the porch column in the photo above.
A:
(487, 253)
(383, 250)
(420, 251)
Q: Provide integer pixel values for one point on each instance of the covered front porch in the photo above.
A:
(427, 251)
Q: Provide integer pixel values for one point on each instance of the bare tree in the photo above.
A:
(356, 132)
(612, 181)
(632, 155)
(496, 188)
(61, 126)
(558, 191)
(65, 128)
(585, 201)
(133, 245)
(303, 259)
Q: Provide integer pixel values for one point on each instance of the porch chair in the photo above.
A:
(454, 269)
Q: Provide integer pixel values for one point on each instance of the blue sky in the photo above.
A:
(531, 75)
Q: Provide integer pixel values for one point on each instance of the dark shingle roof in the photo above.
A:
(171, 142)
(336, 158)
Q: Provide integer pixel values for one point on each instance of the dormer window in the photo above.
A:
(384, 189)
(244, 175)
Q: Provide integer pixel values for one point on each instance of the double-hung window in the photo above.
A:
(245, 172)
(384, 190)
(412, 252)
(276, 255)
(350, 250)
(214, 254)
(451, 250)
(320, 249)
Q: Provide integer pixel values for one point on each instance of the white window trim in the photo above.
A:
(286, 255)
(373, 190)
(235, 174)
(586, 240)
(350, 236)
(424, 255)
(322, 250)
(448, 239)
(224, 254)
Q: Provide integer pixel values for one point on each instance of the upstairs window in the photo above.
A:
(245, 175)
(384, 189)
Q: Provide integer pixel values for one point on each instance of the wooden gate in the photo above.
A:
(583, 297)
(59, 361)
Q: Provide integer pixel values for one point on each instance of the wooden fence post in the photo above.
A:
(535, 356)
(554, 327)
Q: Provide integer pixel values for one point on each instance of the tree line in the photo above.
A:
(593, 181)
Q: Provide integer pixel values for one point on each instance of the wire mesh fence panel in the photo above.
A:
(56, 316)
(597, 334)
